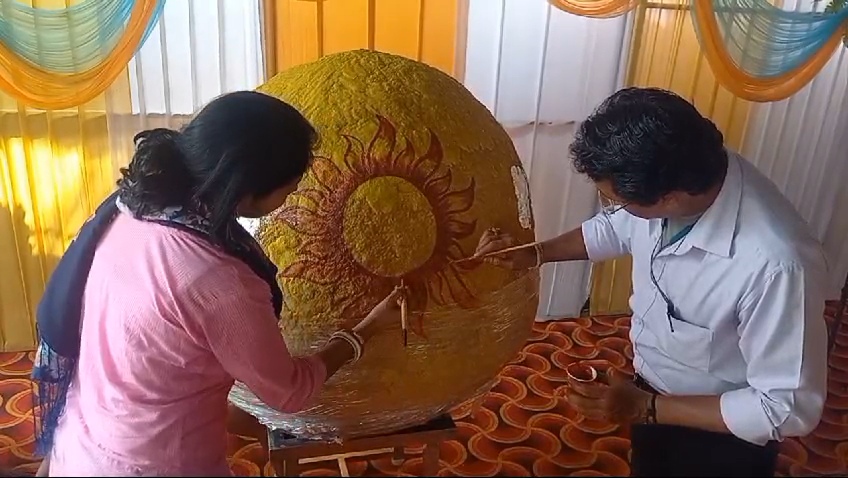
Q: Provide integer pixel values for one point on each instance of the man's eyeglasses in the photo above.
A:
(609, 206)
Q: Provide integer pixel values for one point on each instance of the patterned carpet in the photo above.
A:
(522, 427)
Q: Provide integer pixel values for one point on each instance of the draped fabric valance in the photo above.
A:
(757, 51)
(55, 58)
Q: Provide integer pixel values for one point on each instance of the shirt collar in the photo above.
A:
(715, 231)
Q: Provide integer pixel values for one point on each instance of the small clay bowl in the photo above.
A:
(583, 379)
(581, 372)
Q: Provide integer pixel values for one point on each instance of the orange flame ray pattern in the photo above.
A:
(315, 212)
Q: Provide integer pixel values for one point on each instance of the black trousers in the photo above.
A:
(669, 450)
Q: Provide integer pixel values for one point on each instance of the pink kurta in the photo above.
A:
(169, 321)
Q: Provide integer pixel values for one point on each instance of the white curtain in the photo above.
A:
(199, 50)
(541, 71)
(801, 143)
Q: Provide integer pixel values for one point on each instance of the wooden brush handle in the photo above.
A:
(404, 313)
(498, 252)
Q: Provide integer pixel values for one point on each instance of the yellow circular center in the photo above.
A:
(389, 226)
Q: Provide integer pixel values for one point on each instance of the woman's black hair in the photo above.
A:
(648, 142)
(242, 144)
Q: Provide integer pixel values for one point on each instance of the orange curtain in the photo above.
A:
(301, 31)
(595, 8)
(55, 168)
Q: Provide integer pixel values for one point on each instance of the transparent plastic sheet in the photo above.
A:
(371, 397)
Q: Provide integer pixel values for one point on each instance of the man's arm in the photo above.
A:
(599, 238)
(565, 247)
(782, 338)
(703, 412)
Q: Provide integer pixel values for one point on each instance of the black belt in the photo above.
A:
(644, 385)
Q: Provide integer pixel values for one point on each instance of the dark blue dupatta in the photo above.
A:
(59, 313)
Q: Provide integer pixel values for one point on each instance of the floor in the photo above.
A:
(522, 427)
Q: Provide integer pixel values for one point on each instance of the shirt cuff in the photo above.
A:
(742, 412)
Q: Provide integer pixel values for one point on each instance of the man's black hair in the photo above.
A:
(648, 142)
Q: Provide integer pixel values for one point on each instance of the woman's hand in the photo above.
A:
(494, 240)
(384, 314)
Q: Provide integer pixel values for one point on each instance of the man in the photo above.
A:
(729, 340)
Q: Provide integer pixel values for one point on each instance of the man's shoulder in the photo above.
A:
(769, 229)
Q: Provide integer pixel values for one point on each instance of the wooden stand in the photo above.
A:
(289, 454)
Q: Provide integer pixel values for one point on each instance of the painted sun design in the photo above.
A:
(382, 214)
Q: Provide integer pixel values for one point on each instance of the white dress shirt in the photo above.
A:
(748, 285)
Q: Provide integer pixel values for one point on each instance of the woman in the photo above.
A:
(163, 300)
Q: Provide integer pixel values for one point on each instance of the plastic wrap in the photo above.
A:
(348, 407)
(409, 171)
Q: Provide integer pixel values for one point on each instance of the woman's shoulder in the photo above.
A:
(176, 273)
(185, 259)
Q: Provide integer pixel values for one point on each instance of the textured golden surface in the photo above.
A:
(409, 171)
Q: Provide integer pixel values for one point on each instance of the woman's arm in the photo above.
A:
(231, 314)
(242, 333)
(334, 355)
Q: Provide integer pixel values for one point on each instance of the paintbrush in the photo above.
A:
(404, 315)
(498, 252)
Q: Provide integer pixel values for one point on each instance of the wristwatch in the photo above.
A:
(651, 411)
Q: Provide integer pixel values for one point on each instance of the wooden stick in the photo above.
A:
(495, 253)
(343, 470)
(404, 316)
(337, 456)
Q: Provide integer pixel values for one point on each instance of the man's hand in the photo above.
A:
(615, 399)
(494, 240)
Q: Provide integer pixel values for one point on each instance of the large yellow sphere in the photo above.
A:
(410, 170)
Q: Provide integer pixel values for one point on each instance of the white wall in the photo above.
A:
(198, 50)
(801, 143)
(541, 71)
